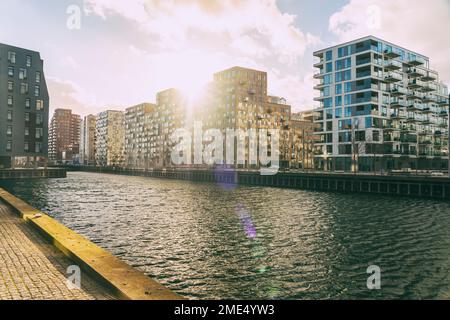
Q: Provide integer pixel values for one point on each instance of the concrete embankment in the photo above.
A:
(400, 185)
(122, 280)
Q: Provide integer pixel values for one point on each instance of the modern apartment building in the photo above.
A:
(110, 138)
(303, 140)
(382, 107)
(64, 136)
(87, 140)
(241, 102)
(170, 114)
(24, 105)
(139, 134)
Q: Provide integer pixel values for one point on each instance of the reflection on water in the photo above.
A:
(209, 241)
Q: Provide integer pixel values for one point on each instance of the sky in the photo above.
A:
(125, 51)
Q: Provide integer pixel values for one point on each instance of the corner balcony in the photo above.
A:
(443, 114)
(443, 102)
(430, 76)
(416, 72)
(416, 61)
(319, 64)
(392, 65)
(392, 77)
(429, 87)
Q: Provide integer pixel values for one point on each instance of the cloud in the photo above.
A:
(186, 41)
(413, 24)
(67, 94)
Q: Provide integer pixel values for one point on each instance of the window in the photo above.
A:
(27, 131)
(328, 103)
(330, 126)
(37, 91)
(38, 147)
(338, 101)
(28, 61)
(38, 77)
(38, 119)
(329, 114)
(348, 99)
(368, 122)
(9, 131)
(9, 115)
(329, 55)
(343, 63)
(9, 145)
(338, 113)
(22, 74)
(327, 79)
(27, 103)
(376, 136)
(338, 89)
(326, 91)
(10, 86)
(10, 100)
(39, 105)
(329, 67)
(348, 112)
(38, 133)
(27, 116)
(348, 86)
(11, 71)
(11, 57)
(345, 124)
(26, 146)
(24, 88)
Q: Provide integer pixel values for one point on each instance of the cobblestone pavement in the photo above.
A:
(31, 268)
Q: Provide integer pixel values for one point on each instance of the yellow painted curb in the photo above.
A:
(127, 282)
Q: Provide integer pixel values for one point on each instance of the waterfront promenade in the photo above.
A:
(31, 268)
(36, 250)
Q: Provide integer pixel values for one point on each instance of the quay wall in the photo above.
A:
(397, 185)
(39, 173)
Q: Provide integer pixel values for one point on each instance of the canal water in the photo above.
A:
(222, 242)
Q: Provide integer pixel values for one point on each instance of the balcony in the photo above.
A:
(429, 87)
(429, 98)
(319, 75)
(415, 94)
(395, 104)
(416, 72)
(416, 84)
(319, 64)
(443, 102)
(398, 91)
(391, 54)
(416, 61)
(393, 77)
(443, 114)
(427, 110)
(415, 106)
(398, 116)
(392, 65)
(430, 76)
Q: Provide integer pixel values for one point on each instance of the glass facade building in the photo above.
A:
(381, 108)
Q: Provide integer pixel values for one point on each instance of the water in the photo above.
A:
(218, 242)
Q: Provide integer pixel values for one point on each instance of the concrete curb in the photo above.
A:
(127, 282)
